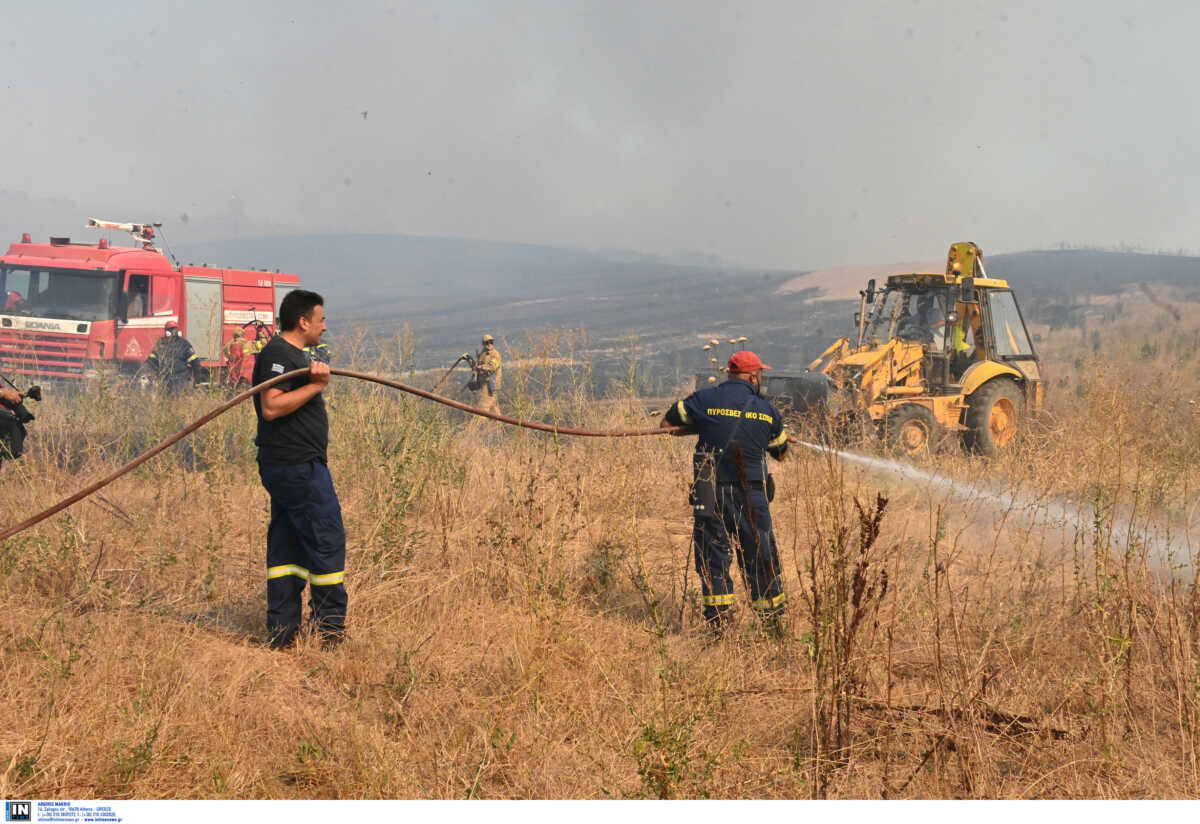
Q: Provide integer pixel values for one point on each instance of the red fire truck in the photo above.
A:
(67, 308)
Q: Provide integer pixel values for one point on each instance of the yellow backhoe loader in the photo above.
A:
(934, 355)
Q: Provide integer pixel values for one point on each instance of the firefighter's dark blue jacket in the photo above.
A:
(173, 357)
(736, 427)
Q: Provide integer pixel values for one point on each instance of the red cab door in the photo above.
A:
(148, 301)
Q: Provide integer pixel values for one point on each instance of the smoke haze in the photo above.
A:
(785, 134)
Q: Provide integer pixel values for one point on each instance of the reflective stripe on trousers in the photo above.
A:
(300, 572)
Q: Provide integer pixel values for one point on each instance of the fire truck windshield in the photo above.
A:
(58, 293)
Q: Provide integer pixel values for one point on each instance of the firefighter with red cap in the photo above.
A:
(235, 356)
(173, 361)
(731, 490)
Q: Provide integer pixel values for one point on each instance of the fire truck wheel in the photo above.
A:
(911, 430)
(995, 415)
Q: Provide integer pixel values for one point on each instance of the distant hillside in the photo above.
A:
(1054, 286)
(451, 290)
(426, 272)
(1086, 271)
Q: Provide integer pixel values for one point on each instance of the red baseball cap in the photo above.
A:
(171, 325)
(742, 362)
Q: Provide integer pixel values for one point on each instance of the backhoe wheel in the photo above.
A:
(911, 430)
(995, 415)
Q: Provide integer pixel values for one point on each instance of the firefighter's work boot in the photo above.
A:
(774, 624)
(718, 622)
(283, 638)
(331, 639)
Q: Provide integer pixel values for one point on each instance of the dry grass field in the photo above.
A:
(524, 619)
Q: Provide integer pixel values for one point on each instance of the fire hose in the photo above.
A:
(96, 486)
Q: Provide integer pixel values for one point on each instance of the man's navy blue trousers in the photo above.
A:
(741, 525)
(306, 544)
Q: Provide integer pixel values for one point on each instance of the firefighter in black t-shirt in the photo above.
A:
(306, 541)
(731, 490)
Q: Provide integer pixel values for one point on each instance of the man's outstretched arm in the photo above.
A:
(677, 416)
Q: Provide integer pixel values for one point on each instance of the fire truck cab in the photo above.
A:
(67, 308)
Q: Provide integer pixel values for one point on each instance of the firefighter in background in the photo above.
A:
(320, 352)
(485, 383)
(173, 362)
(235, 354)
(13, 417)
(732, 489)
(262, 335)
(12, 432)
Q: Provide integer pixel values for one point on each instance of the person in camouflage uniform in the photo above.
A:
(488, 374)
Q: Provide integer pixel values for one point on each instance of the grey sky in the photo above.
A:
(786, 134)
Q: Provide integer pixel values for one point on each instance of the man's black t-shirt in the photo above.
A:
(302, 436)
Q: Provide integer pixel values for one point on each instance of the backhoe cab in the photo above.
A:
(937, 354)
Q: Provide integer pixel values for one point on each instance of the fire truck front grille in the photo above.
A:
(43, 354)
